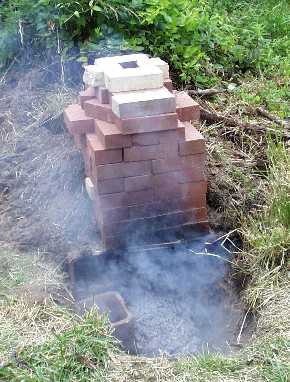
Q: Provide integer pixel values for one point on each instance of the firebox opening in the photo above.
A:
(129, 64)
(178, 298)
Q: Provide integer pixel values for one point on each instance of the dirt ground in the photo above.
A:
(43, 204)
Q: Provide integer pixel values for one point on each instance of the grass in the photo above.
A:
(40, 339)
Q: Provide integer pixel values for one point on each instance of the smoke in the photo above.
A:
(177, 294)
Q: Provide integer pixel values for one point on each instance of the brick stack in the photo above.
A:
(144, 159)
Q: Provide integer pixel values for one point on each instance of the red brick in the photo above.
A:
(107, 216)
(168, 191)
(160, 166)
(187, 109)
(169, 86)
(194, 142)
(138, 183)
(173, 135)
(87, 94)
(95, 109)
(154, 223)
(173, 204)
(103, 95)
(182, 176)
(194, 194)
(111, 136)
(110, 186)
(145, 139)
(80, 140)
(99, 154)
(125, 198)
(193, 188)
(141, 153)
(147, 124)
(76, 121)
(123, 170)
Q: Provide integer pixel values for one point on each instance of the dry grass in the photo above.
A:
(29, 289)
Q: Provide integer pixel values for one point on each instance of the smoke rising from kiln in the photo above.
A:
(179, 297)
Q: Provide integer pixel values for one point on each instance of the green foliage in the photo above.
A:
(78, 354)
(204, 40)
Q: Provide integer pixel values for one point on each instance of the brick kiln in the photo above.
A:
(144, 158)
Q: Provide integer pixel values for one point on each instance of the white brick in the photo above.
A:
(143, 103)
(139, 57)
(143, 77)
(162, 65)
(93, 76)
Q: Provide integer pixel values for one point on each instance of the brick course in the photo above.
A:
(146, 167)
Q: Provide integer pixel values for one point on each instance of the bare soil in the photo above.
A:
(43, 204)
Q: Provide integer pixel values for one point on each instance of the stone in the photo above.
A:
(143, 103)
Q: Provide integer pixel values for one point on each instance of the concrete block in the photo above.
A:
(143, 103)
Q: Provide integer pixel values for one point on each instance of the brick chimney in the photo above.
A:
(144, 157)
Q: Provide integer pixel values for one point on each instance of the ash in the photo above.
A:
(182, 300)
